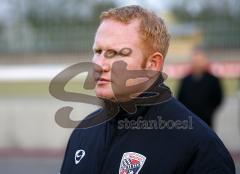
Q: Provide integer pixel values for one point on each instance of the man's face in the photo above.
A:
(115, 41)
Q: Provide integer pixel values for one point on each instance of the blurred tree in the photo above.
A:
(64, 12)
(205, 10)
(65, 25)
(100, 7)
(219, 20)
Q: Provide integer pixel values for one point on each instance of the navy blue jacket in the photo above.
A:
(169, 140)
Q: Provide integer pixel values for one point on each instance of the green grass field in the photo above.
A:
(40, 88)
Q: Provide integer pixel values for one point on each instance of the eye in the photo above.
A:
(110, 53)
(97, 51)
(125, 51)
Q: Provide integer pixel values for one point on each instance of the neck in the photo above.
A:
(140, 89)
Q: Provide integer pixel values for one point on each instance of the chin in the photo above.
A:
(104, 93)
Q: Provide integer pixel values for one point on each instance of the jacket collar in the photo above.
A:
(156, 94)
(134, 108)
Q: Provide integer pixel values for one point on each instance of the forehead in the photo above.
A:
(114, 34)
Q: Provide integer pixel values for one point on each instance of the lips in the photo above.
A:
(99, 79)
(104, 80)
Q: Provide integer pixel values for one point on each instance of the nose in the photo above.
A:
(103, 62)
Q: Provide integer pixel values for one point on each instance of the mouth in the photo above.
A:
(102, 80)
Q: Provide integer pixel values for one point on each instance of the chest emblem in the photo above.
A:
(79, 155)
(131, 163)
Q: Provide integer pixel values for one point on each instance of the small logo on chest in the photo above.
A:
(79, 156)
(131, 163)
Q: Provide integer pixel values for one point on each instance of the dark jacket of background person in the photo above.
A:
(202, 95)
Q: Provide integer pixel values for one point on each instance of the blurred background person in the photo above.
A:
(201, 91)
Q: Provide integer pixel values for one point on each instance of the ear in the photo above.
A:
(155, 62)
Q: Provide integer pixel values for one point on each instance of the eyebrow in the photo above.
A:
(97, 46)
(105, 48)
(118, 50)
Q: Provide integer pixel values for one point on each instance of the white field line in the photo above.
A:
(31, 72)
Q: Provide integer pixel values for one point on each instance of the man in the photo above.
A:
(200, 91)
(151, 131)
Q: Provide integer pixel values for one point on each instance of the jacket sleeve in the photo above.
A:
(68, 162)
(64, 163)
